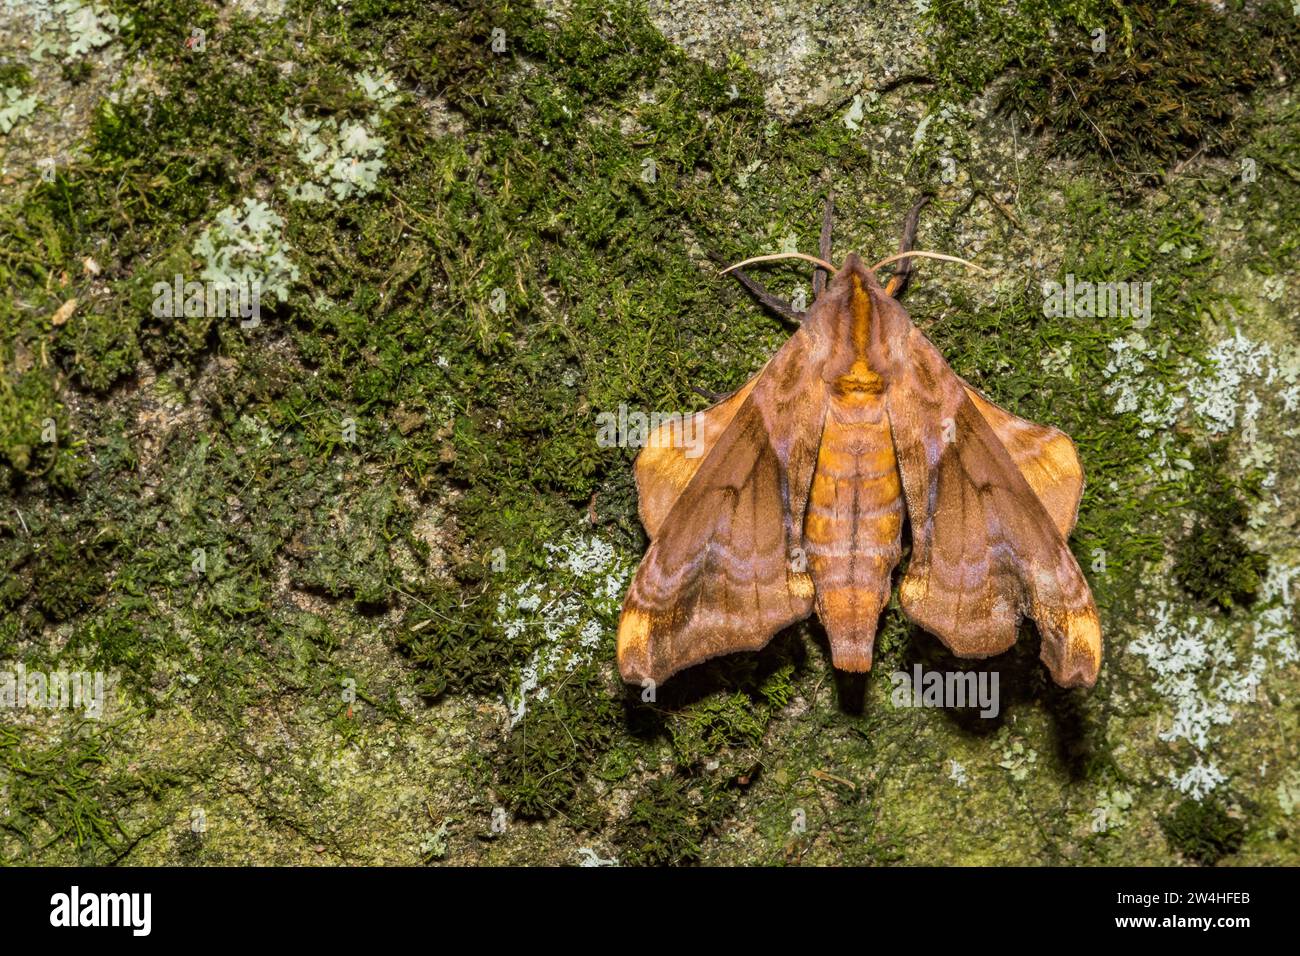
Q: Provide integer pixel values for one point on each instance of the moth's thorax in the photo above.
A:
(850, 371)
(859, 382)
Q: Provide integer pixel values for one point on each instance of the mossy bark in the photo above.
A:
(353, 572)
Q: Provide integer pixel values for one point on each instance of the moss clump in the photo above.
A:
(352, 557)
(28, 406)
(1213, 563)
(77, 72)
(122, 641)
(1204, 831)
(68, 575)
(729, 719)
(549, 752)
(669, 821)
(455, 652)
(725, 720)
(55, 793)
(1171, 81)
(149, 24)
(103, 348)
(15, 75)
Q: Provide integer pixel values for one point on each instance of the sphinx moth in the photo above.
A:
(854, 429)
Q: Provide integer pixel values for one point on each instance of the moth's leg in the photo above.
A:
(756, 289)
(897, 284)
(824, 246)
(711, 396)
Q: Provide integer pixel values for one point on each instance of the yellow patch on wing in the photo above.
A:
(912, 589)
(668, 463)
(633, 632)
(674, 452)
(1085, 637)
(801, 585)
(1045, 456)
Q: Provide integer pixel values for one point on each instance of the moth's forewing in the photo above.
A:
(674, 452)
(1045, 456)
(723, 572)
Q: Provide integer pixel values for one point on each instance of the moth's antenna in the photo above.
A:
(928, 255)
(783, 255)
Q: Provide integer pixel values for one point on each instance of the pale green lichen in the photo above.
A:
(378, 87)
(14, 106)
(1017, 759)
(565, 617)
(1210, 667)
(344, 158)
(246, 248)
(1288, 792)
(78, 27)
(1111, 806)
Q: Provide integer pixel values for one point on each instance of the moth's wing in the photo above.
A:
(674, 452)
(985, 550)
(1046, 456)
(718, 576)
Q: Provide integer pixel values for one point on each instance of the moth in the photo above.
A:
(808, 475)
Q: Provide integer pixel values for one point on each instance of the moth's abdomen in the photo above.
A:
(853, 526)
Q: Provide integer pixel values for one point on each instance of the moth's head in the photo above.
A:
(854, 267)
(855, 297)
(855, 286)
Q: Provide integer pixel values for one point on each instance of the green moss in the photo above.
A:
(56, 794)
(103, 349)
(455, 651)
(1214, 565)
(1172, 81)
(669, 821)
(1212, 562)
(77, 72)
(353, 558)
(68, 574)
(725, 720)
(730, 719)
(164, 25)
(1203, 831)
(548, 754)
(28, 408)
(15, 75)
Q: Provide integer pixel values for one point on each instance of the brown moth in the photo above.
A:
(807, 474)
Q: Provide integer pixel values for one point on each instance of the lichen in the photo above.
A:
(245, 248)
(14, 106)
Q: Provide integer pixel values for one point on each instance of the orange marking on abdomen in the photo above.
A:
(853, 526)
